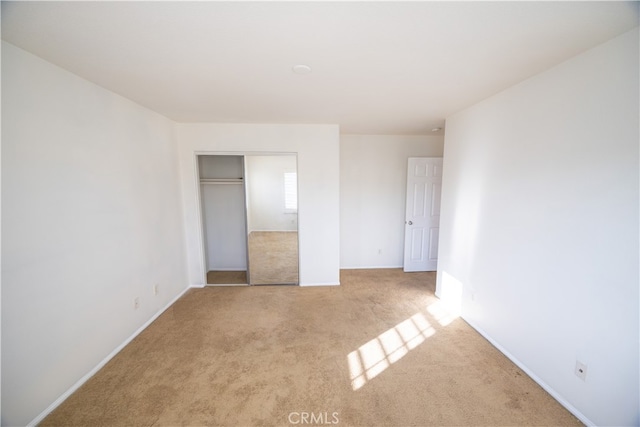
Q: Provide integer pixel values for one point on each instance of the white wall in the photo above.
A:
(317, 148)
(539, 222)
(373, 182)
(91, 219)
(265, 193)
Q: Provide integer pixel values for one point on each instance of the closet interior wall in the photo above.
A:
(223, 212)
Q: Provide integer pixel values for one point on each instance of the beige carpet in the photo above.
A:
(273, 257)
(376, 351)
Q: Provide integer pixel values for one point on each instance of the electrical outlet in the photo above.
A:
(136, 303)
(155, 289)
(581, 370)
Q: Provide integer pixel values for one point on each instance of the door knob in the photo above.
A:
(410, 223)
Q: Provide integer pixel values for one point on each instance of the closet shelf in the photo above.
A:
(221, 180)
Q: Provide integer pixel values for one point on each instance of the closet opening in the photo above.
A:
(224, 222)
(249, 218)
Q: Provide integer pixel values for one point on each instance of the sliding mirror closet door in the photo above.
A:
(272, 219)
(223, 218)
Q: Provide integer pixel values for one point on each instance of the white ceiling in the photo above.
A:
(378, 67)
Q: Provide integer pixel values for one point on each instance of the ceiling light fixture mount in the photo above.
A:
(301, 69)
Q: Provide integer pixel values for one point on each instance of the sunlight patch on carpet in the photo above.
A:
(373, 357)
(442, 315)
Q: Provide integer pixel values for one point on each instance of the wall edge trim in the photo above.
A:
(303, 285)
(376, 267)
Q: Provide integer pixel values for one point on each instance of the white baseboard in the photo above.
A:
(273, 231)
(377, 267)
(100, 365)
(533, 376)
(319, 284)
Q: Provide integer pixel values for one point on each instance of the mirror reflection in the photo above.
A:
(272, 219)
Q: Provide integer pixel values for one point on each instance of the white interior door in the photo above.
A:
(422, 219)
